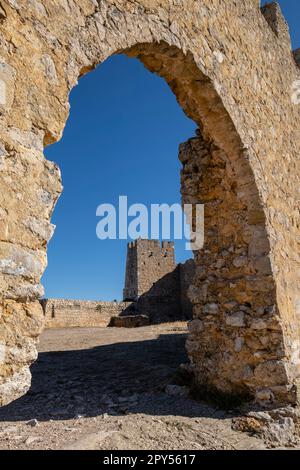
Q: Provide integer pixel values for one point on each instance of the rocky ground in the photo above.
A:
(110, 389)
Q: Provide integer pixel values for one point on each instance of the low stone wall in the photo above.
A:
(61, 313)
(129, 321)
(165, 301)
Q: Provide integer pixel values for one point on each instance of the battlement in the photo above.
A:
(140, 242)
(165, 248)
(151, 244)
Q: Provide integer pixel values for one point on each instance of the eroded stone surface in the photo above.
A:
(21, 325)
(233, 292)
(233, 72)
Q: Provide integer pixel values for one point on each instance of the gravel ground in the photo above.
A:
(107, 388)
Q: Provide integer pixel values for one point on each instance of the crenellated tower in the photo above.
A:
(148, 261)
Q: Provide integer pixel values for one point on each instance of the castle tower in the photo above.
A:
(148, 261)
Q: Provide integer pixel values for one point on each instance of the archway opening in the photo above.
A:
(121, 139)
(125, 148)
(233, 291)
(233, 287)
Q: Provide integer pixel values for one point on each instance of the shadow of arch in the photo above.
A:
(88, 381)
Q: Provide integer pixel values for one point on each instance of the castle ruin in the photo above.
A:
(147, 262)
(156, 285)
(233, 72)
(156, 288)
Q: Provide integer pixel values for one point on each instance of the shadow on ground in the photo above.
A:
(120, 378)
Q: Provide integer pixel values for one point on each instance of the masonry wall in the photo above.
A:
(148, 261)
(161, 303)
(155, 262)
(131, 281)
(61, 313)
(234, 300)
(155, 283)
(167, 300)
(233, 72)
(186, 276)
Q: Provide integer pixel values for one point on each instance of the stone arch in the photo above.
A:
(243, 339)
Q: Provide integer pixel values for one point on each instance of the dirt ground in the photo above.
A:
(107, 388)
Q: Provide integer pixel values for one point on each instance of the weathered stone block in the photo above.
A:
(271, 373)
(129, 321)
(236, 319)
(20, 262)
(7, 86)
(211, 309)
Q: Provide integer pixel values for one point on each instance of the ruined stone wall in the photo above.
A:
(154, 262)
(186, 278)
(168, 298)
(148, 261)
(236, 329)
(232, 70)
(130, 291)
(158, 286)
(60, 313)
(161, 303)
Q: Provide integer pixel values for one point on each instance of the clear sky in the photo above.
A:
(121, 138)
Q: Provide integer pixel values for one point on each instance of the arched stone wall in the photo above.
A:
(232, 70)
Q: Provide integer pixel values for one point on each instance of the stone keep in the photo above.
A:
(147, 262)
(231, 67)
(156, 285)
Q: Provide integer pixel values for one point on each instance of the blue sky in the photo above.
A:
(121, 138)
